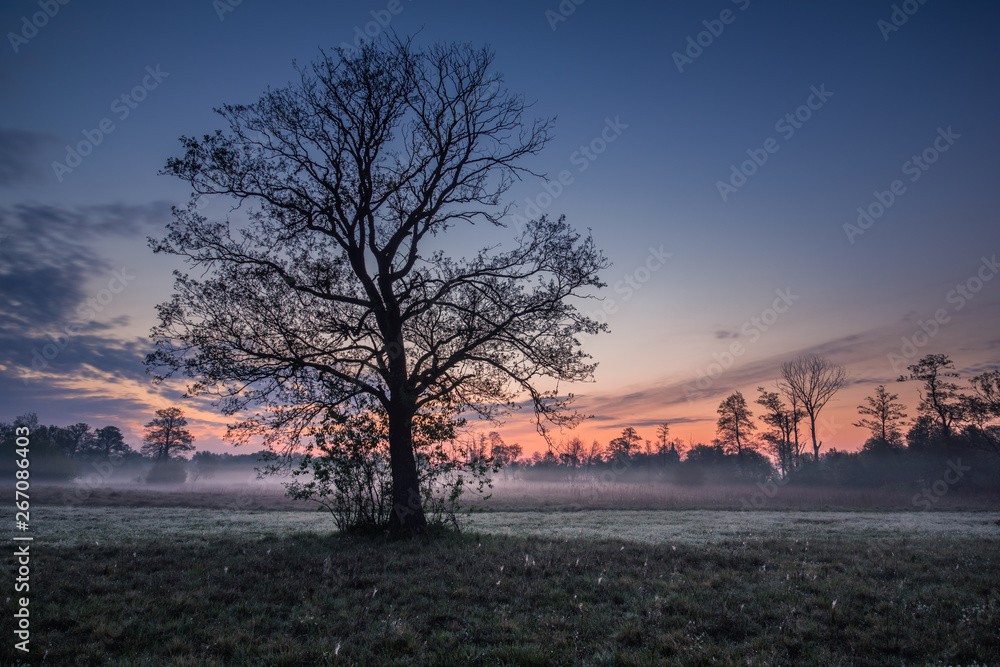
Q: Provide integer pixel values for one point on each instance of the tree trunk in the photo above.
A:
(407, 506)
(812, 431)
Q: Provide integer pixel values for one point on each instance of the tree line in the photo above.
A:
(63, 453)
(782, 441)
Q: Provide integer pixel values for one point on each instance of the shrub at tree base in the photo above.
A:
(169, 471)
(349, 473)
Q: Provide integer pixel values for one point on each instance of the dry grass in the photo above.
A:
(553, 496)
(514, 496)
(194, 586)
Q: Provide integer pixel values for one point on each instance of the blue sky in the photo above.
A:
(890, 94)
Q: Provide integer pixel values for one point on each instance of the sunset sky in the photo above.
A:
(773, 178)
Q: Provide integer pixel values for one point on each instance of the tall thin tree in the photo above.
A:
(735, 423)
(813, 380)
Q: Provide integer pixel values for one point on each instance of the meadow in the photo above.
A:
(223, 576)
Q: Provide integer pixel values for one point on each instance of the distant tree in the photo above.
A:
(570, 451)
(626, 445)
(204, 465)
(706, 455)
(813, 380)
(735, 423)
(882, 416)
(940, 398)
(337, 286)
(108, 442)
(781, 420)
(46, 451)
(672, 455)
(477, 446)
(924, 434)
(593, 455)
(505, 456)
(662, 437)
(166, 436)
(982, 411)
(77, 440)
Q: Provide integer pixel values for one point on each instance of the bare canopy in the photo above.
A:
(332, 290)
(812, 381)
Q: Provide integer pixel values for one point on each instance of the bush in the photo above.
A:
(170, 471)
(349, 475)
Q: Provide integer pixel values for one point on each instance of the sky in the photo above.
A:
(768, 179)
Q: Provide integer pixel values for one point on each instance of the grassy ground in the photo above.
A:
(194, 586)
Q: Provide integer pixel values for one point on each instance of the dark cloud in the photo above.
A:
(49, 256)
(21, 156)
(66, 354)
(724, 334)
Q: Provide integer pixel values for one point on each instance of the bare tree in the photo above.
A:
(505, 455)
(331, 289)
(813, 380)
(592, 455)
(571, 454)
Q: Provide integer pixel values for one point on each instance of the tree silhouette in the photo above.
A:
(166, 435)
(813, 380)
(782, 421)
(940, 398)
(882, 415)
(735, 423)
(333, 290)
(108, 442)
(626, 445)
(982, 410)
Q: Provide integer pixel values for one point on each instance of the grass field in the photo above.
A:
(168, 585)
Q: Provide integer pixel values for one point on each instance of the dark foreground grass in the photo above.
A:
(310, 599)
